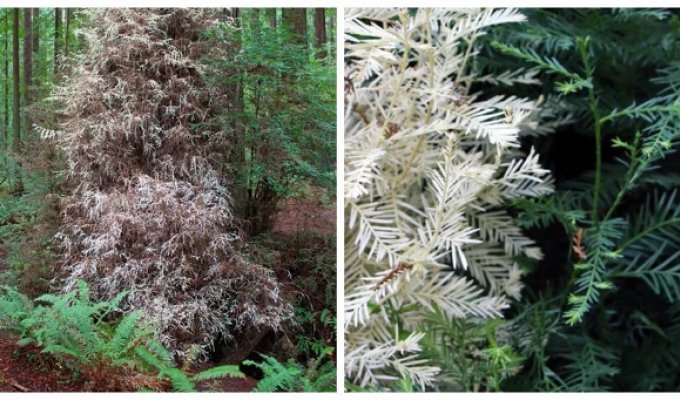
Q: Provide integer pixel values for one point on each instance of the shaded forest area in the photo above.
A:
(167, 212)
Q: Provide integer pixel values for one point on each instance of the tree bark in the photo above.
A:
(271, 17)
(236, 91)
(36, 51)
(16, 116)
(296, 20)
(6, 89)
(57, 39)
(255, 21)
(28, 68)
(320, 28)
(67, 33)
(36, 30)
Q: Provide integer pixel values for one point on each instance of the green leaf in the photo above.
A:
(219, 372)
(180, 381)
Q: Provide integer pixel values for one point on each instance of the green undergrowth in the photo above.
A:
(95, 339)
(27, 223)
(305, 263)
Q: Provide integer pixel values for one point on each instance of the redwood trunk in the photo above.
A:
(57, 38)
(28, 68)
(16, 113)
(320, 28)
(296, 20)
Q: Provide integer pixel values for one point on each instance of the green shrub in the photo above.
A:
(283, 130)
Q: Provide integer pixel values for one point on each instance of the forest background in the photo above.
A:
(272, 71)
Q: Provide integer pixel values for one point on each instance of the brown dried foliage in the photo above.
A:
(149, 210)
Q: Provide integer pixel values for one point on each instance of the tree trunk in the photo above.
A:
(36, 51)
(28, 69)
(57, 38)
(67, 34)
(6, 81)
(16, 116)
(296, 20)
(236, 91)
(255, 21)
(271, 16)
(320, 28)
(36, 30)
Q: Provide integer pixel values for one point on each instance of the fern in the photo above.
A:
(125, 334)
(71, 327)
(291, 377)
(218, 372)
(180, 381)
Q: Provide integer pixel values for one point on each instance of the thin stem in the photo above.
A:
(592, 102)
(671, 222)
(630, 176)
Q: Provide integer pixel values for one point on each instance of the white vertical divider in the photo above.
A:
(340, 240)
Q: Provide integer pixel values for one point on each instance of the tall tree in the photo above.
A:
(271, 17)
(57, 38)
(36, 50)
(236, 90)
(320, 28)
(67, 33)
(6, 81)
(255, 21)
(296, 20)
(36, 30)
(16, 114)
(28, 68)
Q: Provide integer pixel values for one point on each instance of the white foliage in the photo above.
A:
(428, 166)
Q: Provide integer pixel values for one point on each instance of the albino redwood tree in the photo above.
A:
(429, 167)
(149, 213)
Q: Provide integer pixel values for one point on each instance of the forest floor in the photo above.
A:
(304, 215)
(25, 369)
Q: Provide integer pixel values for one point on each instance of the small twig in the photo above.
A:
(17, 386)
(392, 274)
(361, 113)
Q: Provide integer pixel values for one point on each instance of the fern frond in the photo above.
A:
(277, 376)
(59, 350)
(222, 371)
(125, 331)
(180, 381)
